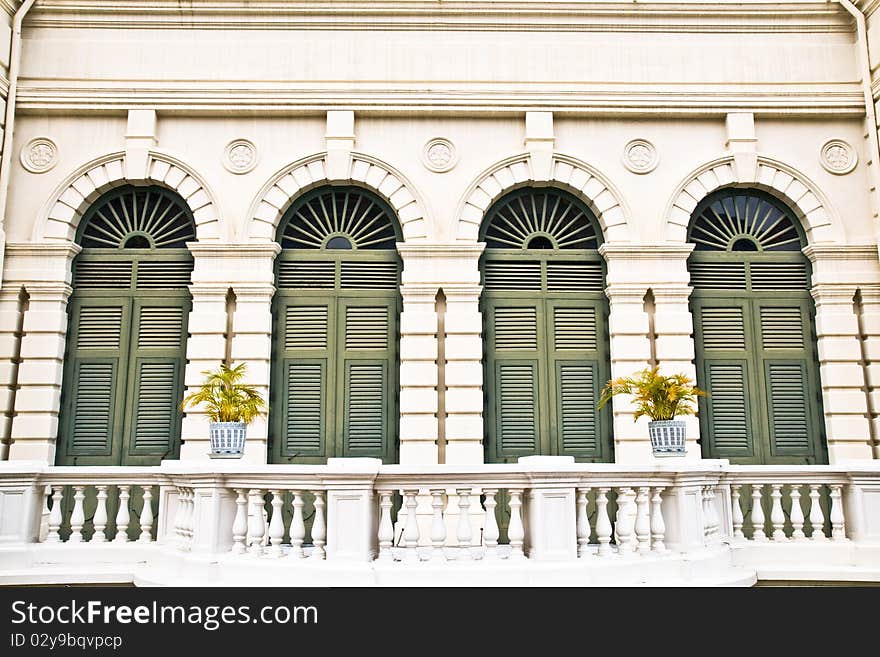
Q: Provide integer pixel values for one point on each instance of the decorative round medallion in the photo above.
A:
(39, 155)
(838, 157)
(640, 156)
(240, 156)
(439, 155)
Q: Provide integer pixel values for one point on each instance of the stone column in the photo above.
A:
(252, 343)
(247, 269)
(838, 272)
(453, 268)
(632, 270)
(44, 270)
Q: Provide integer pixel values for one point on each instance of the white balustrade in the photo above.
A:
(297, 527)
(276, 525)
(319, 528)
(386, 528)
(583, 523)
(464, 524)
(491, 532)
(658, 525)
(438, 524)
(643, 521)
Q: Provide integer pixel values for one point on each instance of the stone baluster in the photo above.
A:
(797, 514)
(386, 528)
(515, 531)
(490, 525)
(77, 518)
(464, 524)
(100, 517)
(777, 517)
(411, 531)
(737, 513)
(713, 511)
(438, 525)
(190, 514)
(178, 517)
(658, 526)
(55, 517)
(625, 521)
(757, 514)
(838, 528)
(706, 492)
(319, 527)
(817, 518)
(583, 523)
(123, 516)
(297, 526)
(603, 522)
(240, 523)
(255, 522)
(643, 520)
(276, 524)
(146, 518)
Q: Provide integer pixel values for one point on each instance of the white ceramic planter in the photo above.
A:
(667, 437)
(227, 439)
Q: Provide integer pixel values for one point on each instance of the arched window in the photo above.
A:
(127, 332)
(334, 363)
(545, 328)
(754, 331)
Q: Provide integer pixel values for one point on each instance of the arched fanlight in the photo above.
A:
(138, 218)
(744, 220)
(540, 219)
(339, 218)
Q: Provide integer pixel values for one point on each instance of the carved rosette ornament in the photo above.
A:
(240, 156)
(838, 157)
(439, 155)
(640, 156)
(39, 155)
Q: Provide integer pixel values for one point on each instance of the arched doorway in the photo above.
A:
(126, 341)
(754, 331)
(545, 336)
(336, 309)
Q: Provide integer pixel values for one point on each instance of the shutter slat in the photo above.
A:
(517, 397)
(778, 276)
(366, 327)
(154, 275)
(718, 275)
(160, 327)
(90, 275)
(155, 410)
(305, 327)
(305, 407)
(782, 327)
(516, 328)
(93, 408)
(99, 327)
(723, 328)
(502, 275)
(365, 407)
(788, 406)
(727, 400)
(574, 329)
(307, 274)
(574, 277)
(577, 402)
(369, 275)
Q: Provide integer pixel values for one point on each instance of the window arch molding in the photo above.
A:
(818, 218)
(288, 184)
(61, 216)
(569, 174)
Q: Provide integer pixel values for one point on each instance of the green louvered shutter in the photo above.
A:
(576, 360)
(368, 346)
(722, 339)
(792, 407)
(158, 354)
(513, 344)
(305, 340)
(93, 408)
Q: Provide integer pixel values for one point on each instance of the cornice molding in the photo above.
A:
(701, 17)
(844, 98)
(841, 252)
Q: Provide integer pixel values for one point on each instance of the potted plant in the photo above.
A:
(661, 398)
(231, 405)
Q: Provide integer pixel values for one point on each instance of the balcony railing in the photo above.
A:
(359, 511)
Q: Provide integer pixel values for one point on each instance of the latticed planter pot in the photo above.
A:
(667, 437)
(227, 439)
